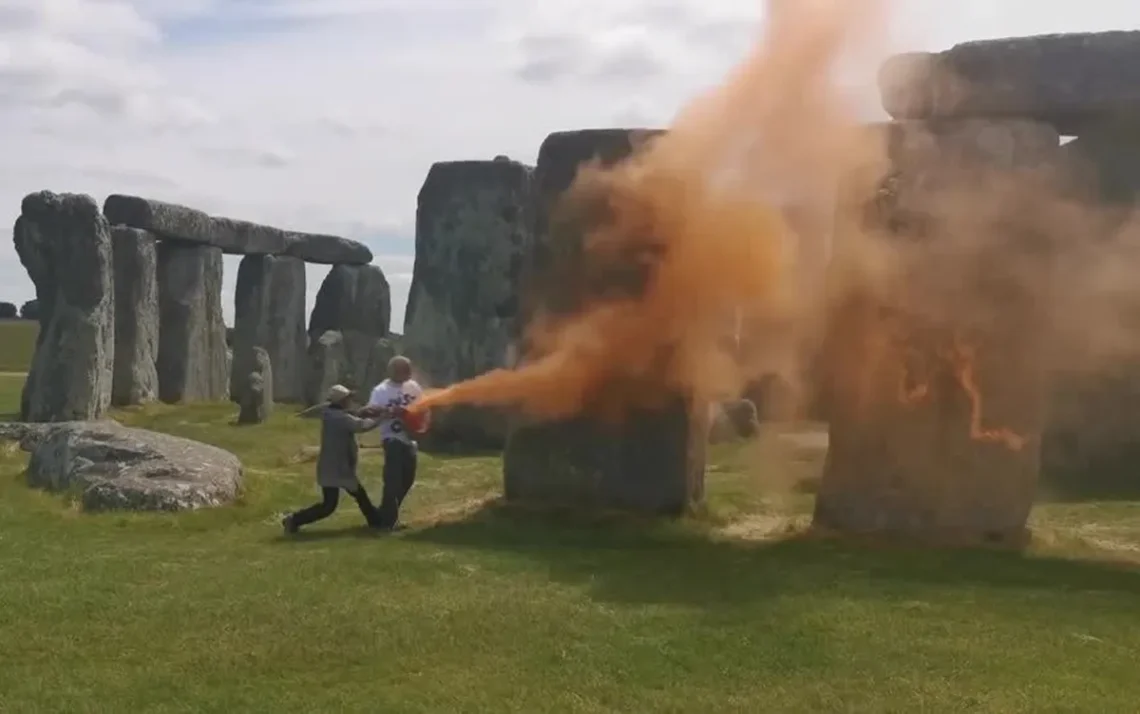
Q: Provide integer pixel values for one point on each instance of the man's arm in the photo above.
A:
(375, 406)
(377, 412)
(357, 425)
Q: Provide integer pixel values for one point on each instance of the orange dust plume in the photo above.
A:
(729, 210)
(961, 358)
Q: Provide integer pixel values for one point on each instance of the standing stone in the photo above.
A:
(136, 317)
(472, 231)
(732, 420)
(383, 350)
(65, 245)
(356, 302)
(352, 298)
(1093, 441)
(937, 383)
(192, 333)
(653, 461)
(1067, 80)
(257, 390)
(269, 312)
(326, 365)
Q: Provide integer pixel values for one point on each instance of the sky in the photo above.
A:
(325, 115)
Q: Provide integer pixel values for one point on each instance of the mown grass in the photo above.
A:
(17, 344)
(480, 609)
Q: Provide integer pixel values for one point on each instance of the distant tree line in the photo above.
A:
(28, 311)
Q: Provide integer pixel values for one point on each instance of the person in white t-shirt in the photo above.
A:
(389, 400)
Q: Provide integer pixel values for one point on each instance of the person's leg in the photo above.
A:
(407, 470)
(366, 508)
(390, 499)
(403, 457)
(314, 513)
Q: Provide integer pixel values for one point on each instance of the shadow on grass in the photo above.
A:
(461, 454)
(327, 534)
(630, 562)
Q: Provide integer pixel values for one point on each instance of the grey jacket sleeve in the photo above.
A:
(357, 425)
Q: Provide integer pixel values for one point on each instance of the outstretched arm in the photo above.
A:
(373, 412)
(357, 425)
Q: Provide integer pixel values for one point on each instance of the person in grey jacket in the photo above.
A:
(336, 465)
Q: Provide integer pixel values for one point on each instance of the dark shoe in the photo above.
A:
(288, 525)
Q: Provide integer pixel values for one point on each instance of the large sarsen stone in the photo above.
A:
(65, 245)
(114, 467)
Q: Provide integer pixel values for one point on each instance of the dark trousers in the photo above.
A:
(399, 475)
(329, 499)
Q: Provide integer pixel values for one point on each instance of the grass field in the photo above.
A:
(477, 609)
(17, 343)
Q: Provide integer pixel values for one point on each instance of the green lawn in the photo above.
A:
(17, 343)
(477, 609)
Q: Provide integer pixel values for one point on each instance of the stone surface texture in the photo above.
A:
(356, 302)
(136, 317)
(65, 245)
(257, 390)
(1066, 80)
(112, 467)
(927, 380)
(473, 228)
(653, 462)
(269, 312)
(232, 236)
(192, 332)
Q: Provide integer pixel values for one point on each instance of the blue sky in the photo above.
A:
(325, 115)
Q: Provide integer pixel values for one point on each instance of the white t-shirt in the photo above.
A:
(389, 394)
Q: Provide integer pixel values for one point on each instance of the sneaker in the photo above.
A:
(288, 525)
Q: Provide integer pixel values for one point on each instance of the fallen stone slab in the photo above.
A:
(326, 250)
(112, 467)
(27, 435)
(1066, 80)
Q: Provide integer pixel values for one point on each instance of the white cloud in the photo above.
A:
(325, 115)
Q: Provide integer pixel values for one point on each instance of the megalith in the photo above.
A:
(136, 317)
(192, 332)
(256, 390)
(232, 236)
(1066, 80)
(1092, 443)
(937, 378)
(472, 231)
(326, 250)
(64, 243)
(653, 461)
(269, 313)
(354, 300)
(326, 365)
